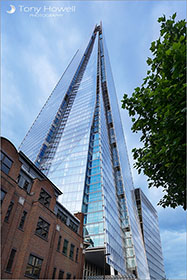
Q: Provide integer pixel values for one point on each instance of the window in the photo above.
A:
(73, 226)
(44, 198)
(109, 117)
(22, 221)
(61, 274)
(65, 247)
(94, 179)
(24, 181)
(68, 276)
(54, 272)
(42, 228)
(6, 163)
(9, 211)
(94, 170)
(94, 217)
(95, 206)
(93, 229)
(77, 254)
(71, 252)
(62, 216)
(95, 187)
(59, 242)
(10, 261)
(3, 193)
(33, 267)
(95, 196)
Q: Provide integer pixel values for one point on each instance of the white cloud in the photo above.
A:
(45, 49)
(43, 73)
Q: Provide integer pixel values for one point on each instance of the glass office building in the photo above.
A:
(77, 141)
(150, 229)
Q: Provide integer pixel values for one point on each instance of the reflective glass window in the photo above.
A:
(10, 207)
(3, 193)
(24, 181)
(73, 226)
(94, 217)
(10, 261)
(93, 229)
(96, 241)
(59, 243)
(61, 274)
(95, 187)
(44, 198)
(94, 179)
(71, 252)
(22, 221)
(95, 170)
(6, 163)
(65, 247)
(42, 228)
(95, 196)
(96, 206)
(34, 267)
(62, 216)
(77, 254)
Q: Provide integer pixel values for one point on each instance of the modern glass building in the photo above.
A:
(150, 229)
(77, 141)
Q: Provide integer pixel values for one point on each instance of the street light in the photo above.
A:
(108, 254)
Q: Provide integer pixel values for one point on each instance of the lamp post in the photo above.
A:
(108, 254)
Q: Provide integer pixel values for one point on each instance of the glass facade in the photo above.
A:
(69, 163)
(151, 235)
(136, 260)
(77, 141)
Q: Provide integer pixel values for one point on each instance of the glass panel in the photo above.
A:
(28, 270)
(3, 193)
(7, 162)
(42, 228)
(5, 169)
(61, 274)
(10, 261)
(93, 229)
(125, 170)
(73, 132)
(9, 211)
(95, 196)
(94, 179)
(44, 198)
(95, 187)
(33, 267)
(2, 155)
(96, 241)
(94, 217)
(96, 206)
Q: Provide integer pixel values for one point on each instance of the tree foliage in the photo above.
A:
(157, 109)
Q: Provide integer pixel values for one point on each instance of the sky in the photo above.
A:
(36, 47)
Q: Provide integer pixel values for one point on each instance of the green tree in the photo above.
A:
(157, 109)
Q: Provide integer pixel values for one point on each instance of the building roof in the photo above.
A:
(22, 155)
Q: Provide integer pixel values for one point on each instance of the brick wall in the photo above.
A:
(25, 240)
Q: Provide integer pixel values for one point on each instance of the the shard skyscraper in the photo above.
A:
(77, 141)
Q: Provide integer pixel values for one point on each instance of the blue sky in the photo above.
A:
(35, 52)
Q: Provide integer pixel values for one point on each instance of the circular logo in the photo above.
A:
(12, 9)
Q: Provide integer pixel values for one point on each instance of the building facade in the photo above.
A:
(39, 237)
(77, 141)
(150, 229)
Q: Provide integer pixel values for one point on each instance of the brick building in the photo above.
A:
(39, 237)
